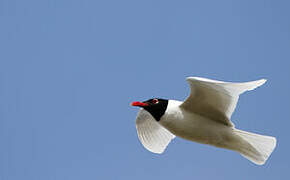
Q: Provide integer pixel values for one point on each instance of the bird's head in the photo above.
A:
(156, 107)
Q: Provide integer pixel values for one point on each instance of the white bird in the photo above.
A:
(204, 117)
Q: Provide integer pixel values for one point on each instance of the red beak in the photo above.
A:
(140, 104)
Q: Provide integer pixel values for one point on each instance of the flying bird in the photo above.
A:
(204, 117)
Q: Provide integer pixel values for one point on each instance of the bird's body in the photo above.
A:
(192, 126)
(204, 118)
(197, 128)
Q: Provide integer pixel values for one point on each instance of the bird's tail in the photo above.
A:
(256, 148)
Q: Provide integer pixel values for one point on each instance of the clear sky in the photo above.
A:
(70, 68)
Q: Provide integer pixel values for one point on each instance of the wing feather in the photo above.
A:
(214, 99)
(153, 136)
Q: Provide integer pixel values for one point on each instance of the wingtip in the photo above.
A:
(157, 152)
(264, 80)
(261, 82)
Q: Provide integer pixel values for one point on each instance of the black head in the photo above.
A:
(156, 107)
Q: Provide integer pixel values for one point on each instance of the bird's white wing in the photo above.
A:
(216, 100)
(152, 135)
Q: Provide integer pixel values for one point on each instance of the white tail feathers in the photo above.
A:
(257, 148)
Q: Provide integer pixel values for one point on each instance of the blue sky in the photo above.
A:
(69, 69)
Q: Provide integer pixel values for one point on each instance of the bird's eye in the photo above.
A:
(155, 101)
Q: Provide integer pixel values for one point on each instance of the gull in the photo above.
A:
(204, 117)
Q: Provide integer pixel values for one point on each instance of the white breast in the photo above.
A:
(189, 125)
